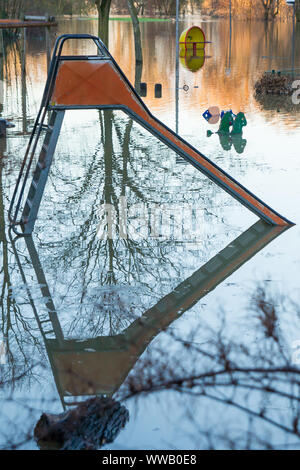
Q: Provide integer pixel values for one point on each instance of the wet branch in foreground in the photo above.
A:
(254, 378)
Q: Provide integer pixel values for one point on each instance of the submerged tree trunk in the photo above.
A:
(271, 9)
(11, 8)
(137, 45)
(136, 31)
(297, 8)
(103, 7)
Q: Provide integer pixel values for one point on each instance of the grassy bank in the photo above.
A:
(142, 19)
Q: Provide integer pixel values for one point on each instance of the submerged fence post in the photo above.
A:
(293, 45)
(2, 353)
(23, 81)
(48, 47)
(23, 65)
(177, 67)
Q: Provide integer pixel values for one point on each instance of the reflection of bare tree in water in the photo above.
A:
(108, 276)
(21, 344)
(15, 328)
(235, 380)
(110, 308)
(207, 364)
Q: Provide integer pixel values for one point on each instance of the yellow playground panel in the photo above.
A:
(192, 39)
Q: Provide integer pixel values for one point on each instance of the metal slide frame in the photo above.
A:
(152, 124)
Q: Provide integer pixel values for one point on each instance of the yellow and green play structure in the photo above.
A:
(192, 48)
(192, 39)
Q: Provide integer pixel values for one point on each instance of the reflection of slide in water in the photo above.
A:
(99, 366)
(96, 82)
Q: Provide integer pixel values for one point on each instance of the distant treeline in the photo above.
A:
(14, 8)
(268, 10)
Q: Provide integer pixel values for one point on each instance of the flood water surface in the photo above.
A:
(144, 281)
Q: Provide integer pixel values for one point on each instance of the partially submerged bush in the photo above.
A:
(275, 84)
